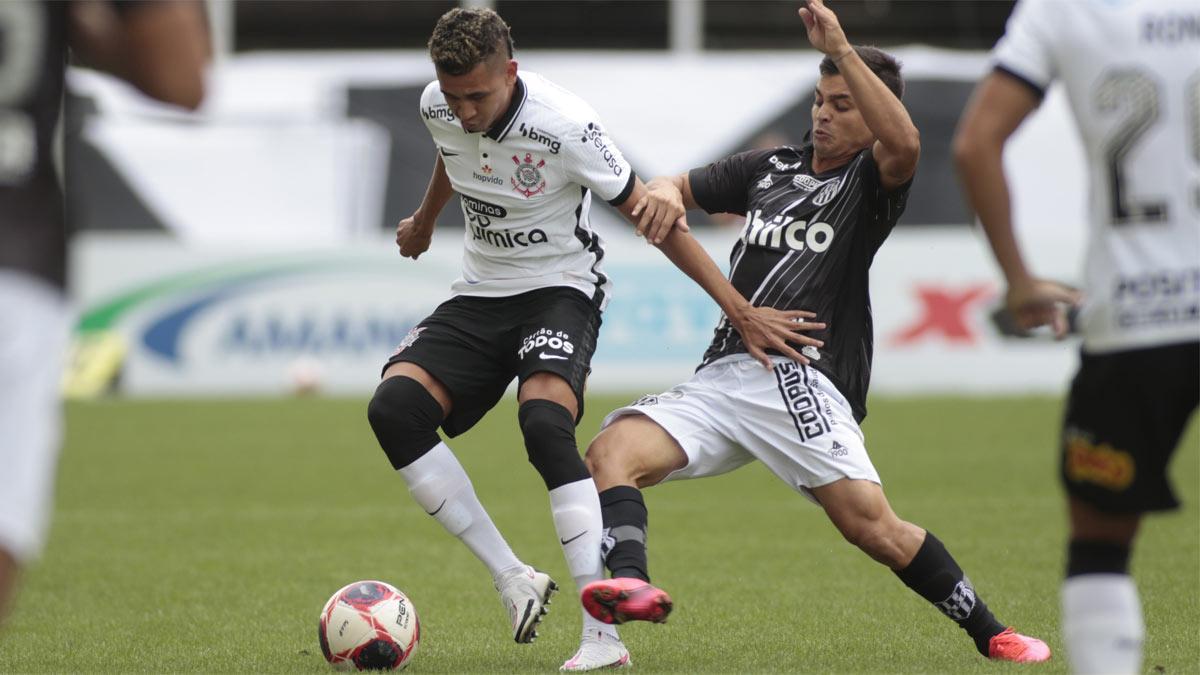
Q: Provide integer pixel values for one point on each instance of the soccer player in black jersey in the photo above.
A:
(815, 216)
(159, 47)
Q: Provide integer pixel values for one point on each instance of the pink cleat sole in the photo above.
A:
(622, 599)
(1012, 646)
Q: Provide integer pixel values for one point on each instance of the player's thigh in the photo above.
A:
(796, 422)
(633, 450)
(460, 353)
(33, 339)
(557, 336)
(696, 416)
(1125, 414)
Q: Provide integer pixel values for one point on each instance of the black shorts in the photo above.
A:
(1125, 415)
(475, 346)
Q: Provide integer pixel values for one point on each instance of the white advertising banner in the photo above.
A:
(216, 320)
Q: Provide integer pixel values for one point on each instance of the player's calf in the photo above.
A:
(549, 431)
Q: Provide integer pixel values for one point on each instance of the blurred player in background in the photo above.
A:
(815, 217)
(527, 158)
(161, 48)
(1132, 76)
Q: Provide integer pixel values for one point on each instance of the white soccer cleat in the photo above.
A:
(525, 592)
(598, 650)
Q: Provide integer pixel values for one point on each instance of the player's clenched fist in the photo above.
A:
(824, 31)
(413, 237)
(659, 210)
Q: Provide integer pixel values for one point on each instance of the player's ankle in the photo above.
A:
(630, 573)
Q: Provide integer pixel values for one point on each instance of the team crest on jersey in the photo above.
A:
(764, 183)
(828, 192)
(527, 178)
(409, 339)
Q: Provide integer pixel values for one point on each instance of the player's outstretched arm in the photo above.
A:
(414, 233)
(761, 328)
(654, 208)
(162, 48)
(898, 143)
(998, 106)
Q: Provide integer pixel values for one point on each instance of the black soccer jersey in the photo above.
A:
(808, 243)
(32, 53)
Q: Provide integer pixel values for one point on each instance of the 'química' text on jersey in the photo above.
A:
(808, 243)
(1132, 75)
(526, 188)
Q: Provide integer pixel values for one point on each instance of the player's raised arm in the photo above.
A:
(897, 142)
(761, 328)
(414, 233)
(997, 108)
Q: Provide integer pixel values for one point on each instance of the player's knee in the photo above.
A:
(609, 459)
(405, 418)
(621, 455)
(549, 431)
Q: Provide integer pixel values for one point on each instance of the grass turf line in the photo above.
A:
(205, 537)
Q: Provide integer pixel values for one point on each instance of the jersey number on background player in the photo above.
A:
(1137, 93)
(22, 31)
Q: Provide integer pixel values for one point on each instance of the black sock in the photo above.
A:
(935, 576)
(1096, 557)
(624, 543)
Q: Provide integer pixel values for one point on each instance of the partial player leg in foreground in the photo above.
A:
(544, 338)
(1115, 453)
(405, 413)
(729, 415)
(31, 357)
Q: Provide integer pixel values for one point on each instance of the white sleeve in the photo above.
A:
(433, 107)
(594, 162)
(1026, 50)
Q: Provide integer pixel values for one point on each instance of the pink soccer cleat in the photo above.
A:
(1012, 646)
(624, 599)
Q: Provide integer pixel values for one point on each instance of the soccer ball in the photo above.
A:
(369, 625)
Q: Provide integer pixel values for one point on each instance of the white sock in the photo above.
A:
(1102, 624)
(440, 485)
(576, 510)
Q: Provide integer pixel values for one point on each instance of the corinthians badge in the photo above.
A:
(527, 179)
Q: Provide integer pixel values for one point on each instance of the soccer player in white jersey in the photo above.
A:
(1131, 72)
(527, 158)
(815, 217)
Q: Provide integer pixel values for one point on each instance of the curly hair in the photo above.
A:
(884, 65)
(464, 38)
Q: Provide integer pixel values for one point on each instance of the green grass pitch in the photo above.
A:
(205, 537)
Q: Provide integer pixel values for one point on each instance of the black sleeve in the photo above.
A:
(723, 186)
(886, 205)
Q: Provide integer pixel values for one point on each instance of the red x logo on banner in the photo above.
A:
(944, 314)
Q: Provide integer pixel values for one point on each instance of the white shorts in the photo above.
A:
(34, 325)
(734, 411)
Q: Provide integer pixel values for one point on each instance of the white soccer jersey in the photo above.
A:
(526, 190)
(1131, 69)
